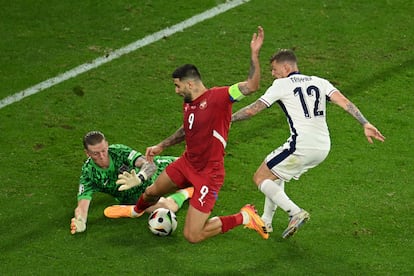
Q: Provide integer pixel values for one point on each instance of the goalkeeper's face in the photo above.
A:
(99, 154)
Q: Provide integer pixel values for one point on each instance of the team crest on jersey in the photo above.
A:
(203, 104)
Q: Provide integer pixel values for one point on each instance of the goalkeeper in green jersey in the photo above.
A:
(105, 170)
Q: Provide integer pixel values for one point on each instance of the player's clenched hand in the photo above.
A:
(128, 180)
(77, 225)
(151, 152)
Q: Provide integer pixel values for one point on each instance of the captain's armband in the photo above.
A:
(235, 93)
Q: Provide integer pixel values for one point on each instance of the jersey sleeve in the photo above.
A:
(86, 189)
(271, 95)
(329, 88)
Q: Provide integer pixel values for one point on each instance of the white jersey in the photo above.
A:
(303, 99)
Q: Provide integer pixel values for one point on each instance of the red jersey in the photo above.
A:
(206, 124)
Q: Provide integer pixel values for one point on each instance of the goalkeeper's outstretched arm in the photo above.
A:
(78, 223)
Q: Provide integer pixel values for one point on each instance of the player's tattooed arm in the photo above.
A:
(354, 111)
(248, 111)
(338, 98)
(253, 79)
(370, 130)
(252, 83)
(176, 138)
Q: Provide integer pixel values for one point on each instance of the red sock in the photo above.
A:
(141, 204)
(229, 222)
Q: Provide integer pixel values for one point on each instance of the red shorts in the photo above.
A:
(207, 182)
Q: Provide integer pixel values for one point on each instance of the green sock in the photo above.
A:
(179, 198)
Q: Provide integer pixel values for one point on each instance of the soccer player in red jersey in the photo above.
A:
(206, 122)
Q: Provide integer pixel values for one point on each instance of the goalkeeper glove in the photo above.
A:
(128, 180)
(77, 225)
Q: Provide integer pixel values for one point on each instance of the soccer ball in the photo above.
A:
(162, 222)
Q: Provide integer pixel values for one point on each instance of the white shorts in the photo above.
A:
(286, 164)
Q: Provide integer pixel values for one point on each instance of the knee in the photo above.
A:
(192, 237)
(257, 178)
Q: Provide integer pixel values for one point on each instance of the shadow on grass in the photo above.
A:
(380, 77)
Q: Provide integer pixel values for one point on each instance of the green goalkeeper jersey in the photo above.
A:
(122, 158)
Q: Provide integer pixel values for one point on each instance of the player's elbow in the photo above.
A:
(252, 87)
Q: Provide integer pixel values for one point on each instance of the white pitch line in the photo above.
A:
(122, 51)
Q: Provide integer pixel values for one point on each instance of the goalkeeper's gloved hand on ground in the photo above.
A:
(77, 225)
(128, 180)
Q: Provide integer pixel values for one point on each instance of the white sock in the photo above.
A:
(246, 218)
(269, 206)
(133, 213)
(269, 210)
(277, 194)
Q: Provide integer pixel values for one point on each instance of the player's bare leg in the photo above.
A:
(198, 227)
(162, 186)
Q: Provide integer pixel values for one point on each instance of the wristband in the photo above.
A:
(141, 177)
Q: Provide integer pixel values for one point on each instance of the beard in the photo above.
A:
(188, 98)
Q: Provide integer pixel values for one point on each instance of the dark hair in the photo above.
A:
(186, 71)
(284, 55)
(92, 138)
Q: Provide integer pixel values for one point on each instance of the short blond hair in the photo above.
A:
(92, 138)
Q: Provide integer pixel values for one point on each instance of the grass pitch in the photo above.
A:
(360, 198)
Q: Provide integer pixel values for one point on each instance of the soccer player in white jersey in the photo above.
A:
(303, 100)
